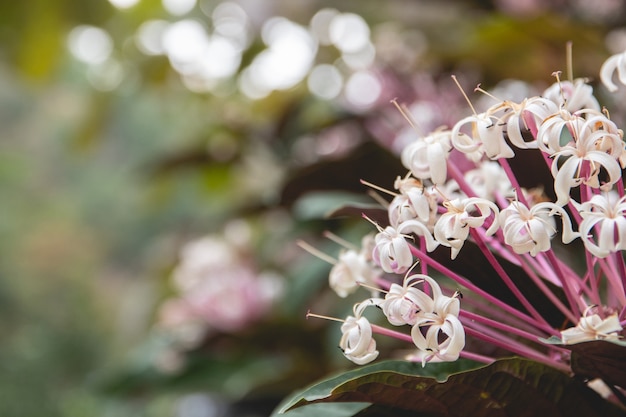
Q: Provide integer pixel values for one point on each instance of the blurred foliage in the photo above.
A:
(100, 190)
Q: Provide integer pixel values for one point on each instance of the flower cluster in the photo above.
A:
(461, 189)
(217, 289)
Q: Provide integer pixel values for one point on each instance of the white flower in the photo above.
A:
(221, 288)
(403, 304)
(569, 174)
(413, 203)
(581, 143)
(592, 327)
(604, 135)
(487, 180)
(426, 157)
(572, 96)
(452, 228)
(487, 137)
(605, 216)
(561, 129)
(199, 259)
(445, 336)
(367, 246)
(392, 251)
(530, 230)
(356, 341)
(231, 299)
(617, 63)
(525, 116)
(419, 229)
(351, 269)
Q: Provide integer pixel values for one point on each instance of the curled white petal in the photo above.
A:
(351, 269)
(356, 341)
(530, 230)
(592, 327)
(438, 334)
(557, 129)
(413, 203)
(524, 117)
(427, 157)
(418, 228)
(487, 136)
(488, 179)
(615, 62)
(452, 228)
(603, 217)
(449, 328)
(391, 251)
(572, 96)
(566, 174)
(403, 304)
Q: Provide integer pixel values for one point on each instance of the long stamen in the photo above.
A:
(376, 187)
(316, 252)
(378, 198)
(339, 240)
(371, 287)
(404, 111)
(378, 227)
(568, 58)
(464, 95)
(487, 93)
(319, 316)
(557, 75)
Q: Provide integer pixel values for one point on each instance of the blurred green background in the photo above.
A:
(128, 128)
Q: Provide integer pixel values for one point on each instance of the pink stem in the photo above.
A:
(476, 357)
(391, 333)
(468, 284)
(518, 349)
(473, 317)
(505, 277)
(511, 176)
(548, 293)
(569, 294)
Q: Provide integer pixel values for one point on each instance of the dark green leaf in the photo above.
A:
(369, 161)
(375, 212)
(317, 205)
(604, 359)
(600, 359)
(327, 410)
(439, 371)
(509, 387)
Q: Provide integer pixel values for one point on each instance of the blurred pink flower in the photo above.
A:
(220, 287)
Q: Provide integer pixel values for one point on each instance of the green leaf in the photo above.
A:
(438, 371)
(375, 212)
(326, 410)
(369, 161)
(508, 387)
(317, 205)
(600, 359)
(604, 359)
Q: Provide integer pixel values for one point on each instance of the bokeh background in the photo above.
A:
(160, 159)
